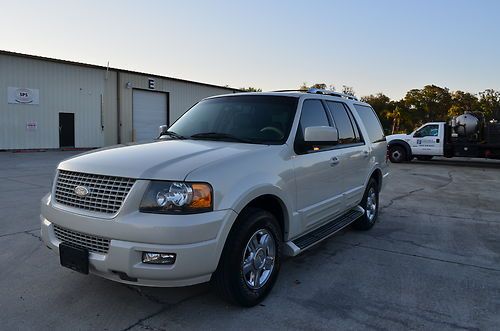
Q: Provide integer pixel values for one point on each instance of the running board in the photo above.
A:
(297, 245)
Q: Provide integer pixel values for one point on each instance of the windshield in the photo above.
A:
(259, 119)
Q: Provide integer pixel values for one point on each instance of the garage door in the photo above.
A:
(149, 112)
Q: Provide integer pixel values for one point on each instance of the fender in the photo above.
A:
(402, 143)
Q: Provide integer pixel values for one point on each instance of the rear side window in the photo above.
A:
(371, 122)
(342, 122)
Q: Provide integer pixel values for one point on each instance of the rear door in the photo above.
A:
(355, 152)
(318, 173)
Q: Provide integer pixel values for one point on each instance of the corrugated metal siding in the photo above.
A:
(182, 95)
(63, 88)
(77, 89)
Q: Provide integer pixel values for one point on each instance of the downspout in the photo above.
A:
(118, 118)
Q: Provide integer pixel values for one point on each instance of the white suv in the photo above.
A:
(233, 185)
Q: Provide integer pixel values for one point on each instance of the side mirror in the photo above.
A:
(321, 135)
(162, 129)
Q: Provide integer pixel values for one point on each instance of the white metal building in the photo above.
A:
(50, 103)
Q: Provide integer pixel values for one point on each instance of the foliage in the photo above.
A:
(250, 89)
(428, 104)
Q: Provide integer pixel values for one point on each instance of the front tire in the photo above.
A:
(370, 205)
(251, 259)
(397, 154)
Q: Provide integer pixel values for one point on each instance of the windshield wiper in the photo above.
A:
(221, 136)
(172, 134)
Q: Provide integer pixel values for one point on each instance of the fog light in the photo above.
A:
(158, 258)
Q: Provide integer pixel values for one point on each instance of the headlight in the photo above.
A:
(177, 198)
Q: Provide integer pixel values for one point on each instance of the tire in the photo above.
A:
(370, 205)
(397, 154)
(233, 277)
(424, 157)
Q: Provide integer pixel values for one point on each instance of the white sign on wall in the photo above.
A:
(21, 95)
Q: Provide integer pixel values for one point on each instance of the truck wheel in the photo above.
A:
(251, 259)
(397, 154)
(370, 205)
(424, 157)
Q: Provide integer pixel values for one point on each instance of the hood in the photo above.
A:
(164, 160)
(404, 137)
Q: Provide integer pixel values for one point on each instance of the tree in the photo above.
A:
(320, 86)
(250, 89)
(428, 104)
(489, 103)
(348, 90)
(461, 102)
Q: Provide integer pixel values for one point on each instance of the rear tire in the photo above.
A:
(370, 205)
(424, 157)
(397, 154)
(251, 259)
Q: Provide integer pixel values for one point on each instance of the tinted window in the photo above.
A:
(254, 118)
(342, 122)
(428, 130)
(371, 122)
(313, 114)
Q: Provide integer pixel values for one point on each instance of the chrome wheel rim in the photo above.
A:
(258, 259)
(371, 204)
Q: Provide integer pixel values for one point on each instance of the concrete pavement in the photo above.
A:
(432, 262)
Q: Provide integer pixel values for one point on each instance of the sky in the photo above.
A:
(387, 46)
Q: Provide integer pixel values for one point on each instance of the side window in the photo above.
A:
(371, 123)
(342, 122)
(313, 114)
(430, 130)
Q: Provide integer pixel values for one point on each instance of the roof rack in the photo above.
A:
(323, 92)
(332, 93)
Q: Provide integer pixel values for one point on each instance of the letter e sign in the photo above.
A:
(151, 83)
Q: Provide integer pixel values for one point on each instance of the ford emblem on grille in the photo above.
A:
(81, 191)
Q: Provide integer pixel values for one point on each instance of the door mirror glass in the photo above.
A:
(321, 135)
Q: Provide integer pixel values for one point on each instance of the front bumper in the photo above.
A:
(197, 240)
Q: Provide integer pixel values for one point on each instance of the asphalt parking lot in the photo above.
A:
(432, 262)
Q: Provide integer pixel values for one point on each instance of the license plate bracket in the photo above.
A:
(73, 257)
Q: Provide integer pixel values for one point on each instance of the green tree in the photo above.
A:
(250, 89)
(428, 104)
(349, 90)
(462, 101)
(489, 104)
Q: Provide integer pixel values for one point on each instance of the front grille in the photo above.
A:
(105, 193)
(92, 243)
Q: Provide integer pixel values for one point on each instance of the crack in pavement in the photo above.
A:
(391, 201)
(33, 235)
(152, 298)
(18, 232)
(418, 256)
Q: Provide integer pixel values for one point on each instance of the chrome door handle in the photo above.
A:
(334, 161)
(365, 153)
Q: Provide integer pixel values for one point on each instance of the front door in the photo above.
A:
(426, 140)
(318, 171)
(66, 130)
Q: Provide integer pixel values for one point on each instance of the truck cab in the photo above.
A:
(423, 143)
